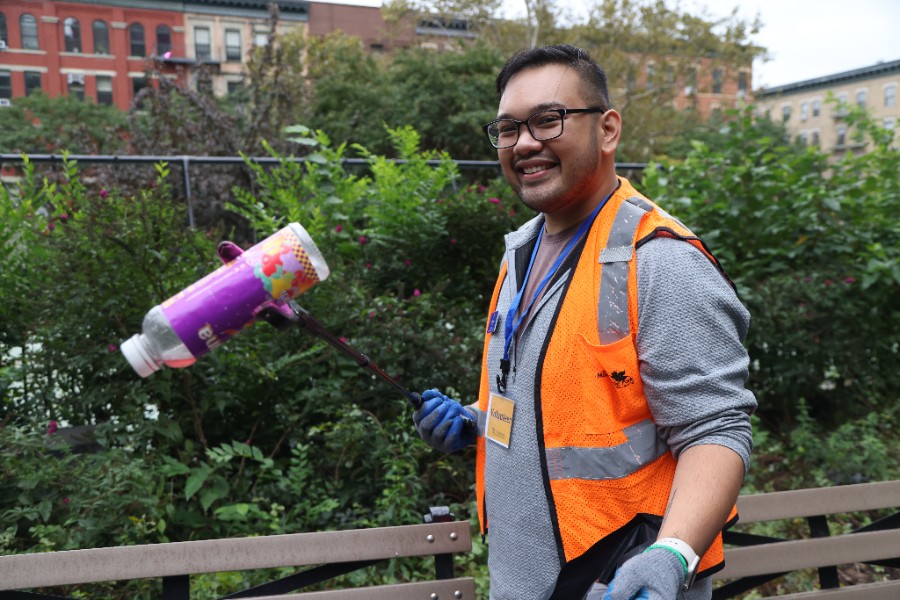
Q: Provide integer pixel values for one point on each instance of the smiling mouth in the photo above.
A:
(536, 169)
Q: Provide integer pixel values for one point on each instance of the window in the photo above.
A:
(861, 98)
(104, 90)
(137, 84)
(202, 48)
(136, 40)
(890, 123)
(743, 83)
(32, 82)
(816, 107)
(163, 40)
(261, 39)
(890, 95)
(6, 85)
(101, 38)
(804, 111)
(815, 138)
(786, 111)
(841, 138)
(76, 85)
(803, 139)
(842, 105)
(233, 44)
(3, 36)
(691, 87)
(72, 32)
(28, 26)
(651, 76)
(234, 87)
(718, 76)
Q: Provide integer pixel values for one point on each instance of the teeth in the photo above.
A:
(530, 170)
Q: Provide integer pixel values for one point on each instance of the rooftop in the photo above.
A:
(875, 70)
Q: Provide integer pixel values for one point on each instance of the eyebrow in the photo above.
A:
(534, 109)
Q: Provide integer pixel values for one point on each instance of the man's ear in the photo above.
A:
(611, 123)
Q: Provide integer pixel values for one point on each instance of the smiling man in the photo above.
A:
(613, 420)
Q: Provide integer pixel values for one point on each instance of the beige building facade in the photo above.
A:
(809, 112)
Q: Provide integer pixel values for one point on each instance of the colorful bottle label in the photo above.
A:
(212, 310)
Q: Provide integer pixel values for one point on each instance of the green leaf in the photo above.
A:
(196, 480)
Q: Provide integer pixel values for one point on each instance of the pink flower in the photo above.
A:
(338, 228)
(453, 241)
(51, 226)
(407, 262)
(104, 194)
(481, 188)
(371, 314)
(65, 500)
(416, 293)
(343, 339)
(363, 239)
(369, 266)
(808, 279)
(494, 200)
(52, 428)
(112, 347)
(849, 280)
(64, 216)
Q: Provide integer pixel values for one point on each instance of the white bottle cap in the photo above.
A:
(138, 355)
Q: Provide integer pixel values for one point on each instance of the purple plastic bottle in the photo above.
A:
(212, 310)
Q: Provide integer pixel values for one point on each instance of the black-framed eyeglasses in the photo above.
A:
(543, 125)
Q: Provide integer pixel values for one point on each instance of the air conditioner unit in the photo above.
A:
(2, 45)
(5, 102)
(76, 78)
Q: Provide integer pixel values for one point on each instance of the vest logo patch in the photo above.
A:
(620, 379)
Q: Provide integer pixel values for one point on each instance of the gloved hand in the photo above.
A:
(656, 574)
(440, 422)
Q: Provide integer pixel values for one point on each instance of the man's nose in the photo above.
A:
(526, 144)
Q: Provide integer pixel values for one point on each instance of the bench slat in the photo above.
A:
(25, 571)
(862, 591)
(781, 557)
(818, 501)
(422, 590)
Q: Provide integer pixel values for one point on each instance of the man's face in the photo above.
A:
(555, 177)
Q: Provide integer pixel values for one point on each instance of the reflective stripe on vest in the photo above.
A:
(613, 320)
(614, 462)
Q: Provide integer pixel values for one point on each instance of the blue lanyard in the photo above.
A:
(512, 325)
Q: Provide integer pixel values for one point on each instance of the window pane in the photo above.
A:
(32, 82)
(260, 38)
(890, 95)
(136, 38)
(816, 108)
(76, 88)
(861, 98)
(202, 48)
(28, 26)
(3, 35)
(6, 85)
(232, 44)
(717, 81)
(104, 90)
(163, 40)
(101, 38)
(72, 33)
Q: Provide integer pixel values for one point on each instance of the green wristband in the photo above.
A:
(681, 559)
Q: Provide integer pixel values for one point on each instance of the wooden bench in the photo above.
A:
(333, 552)
(752, 560)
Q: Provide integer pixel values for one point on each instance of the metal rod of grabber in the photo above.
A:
(310, 324)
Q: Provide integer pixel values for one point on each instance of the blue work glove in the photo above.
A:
(441, 422)
(656, 574)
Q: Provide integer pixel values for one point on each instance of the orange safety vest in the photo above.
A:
(604, 460)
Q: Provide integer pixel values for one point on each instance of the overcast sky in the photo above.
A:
(805, 38)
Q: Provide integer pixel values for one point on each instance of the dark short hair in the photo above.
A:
(593, 77)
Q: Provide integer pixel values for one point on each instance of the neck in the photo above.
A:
(561, 220)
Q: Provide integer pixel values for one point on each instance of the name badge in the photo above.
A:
(492, 322)
(500, 418)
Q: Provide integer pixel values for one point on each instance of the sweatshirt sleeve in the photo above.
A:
(691, 329)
